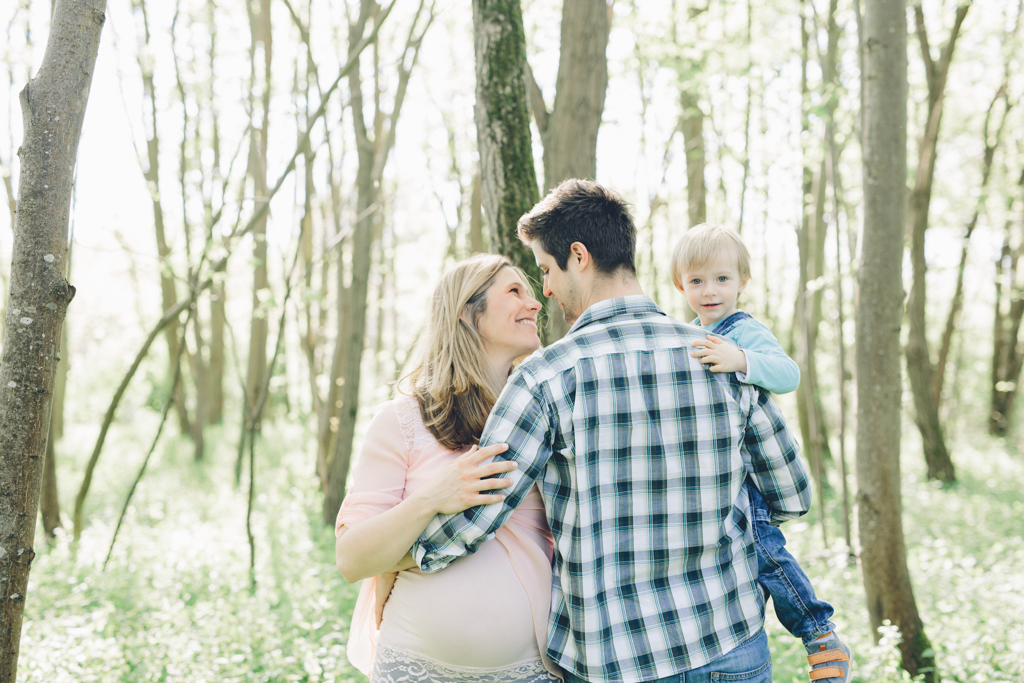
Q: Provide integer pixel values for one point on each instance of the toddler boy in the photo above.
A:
(711, 267)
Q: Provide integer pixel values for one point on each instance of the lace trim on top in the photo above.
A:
(417, 436)
(395, 665)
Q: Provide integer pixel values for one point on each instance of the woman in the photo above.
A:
(484, 618)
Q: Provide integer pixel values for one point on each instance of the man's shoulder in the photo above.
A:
(642, 333)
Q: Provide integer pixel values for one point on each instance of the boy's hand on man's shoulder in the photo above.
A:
(720, 355)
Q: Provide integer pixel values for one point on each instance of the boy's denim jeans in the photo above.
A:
(750, 662)
(796, 605)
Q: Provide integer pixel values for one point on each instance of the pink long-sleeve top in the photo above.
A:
(487, 610)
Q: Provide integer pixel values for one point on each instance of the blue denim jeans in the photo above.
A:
(780, 575)
(750, 662)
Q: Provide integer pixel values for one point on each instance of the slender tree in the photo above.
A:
(508, 177)
(53, 108)
(49, 501)
(811, 239)
(1007, 347)
(260, 54)
(568, 130)
(990, 143)
(151, 172)
(880, 304)
(373, 144)
(919, 362)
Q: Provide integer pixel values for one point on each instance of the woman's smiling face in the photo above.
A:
(508, 326)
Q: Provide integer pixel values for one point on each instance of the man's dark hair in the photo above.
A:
(583, 211)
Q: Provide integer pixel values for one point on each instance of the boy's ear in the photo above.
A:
(743, 285)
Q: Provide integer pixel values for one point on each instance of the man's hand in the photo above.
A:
(720, 354)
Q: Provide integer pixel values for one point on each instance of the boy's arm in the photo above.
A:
(768, 366)
(771, 457)
(520, 419)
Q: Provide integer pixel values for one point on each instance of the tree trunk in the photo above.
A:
(330, 405)
(692, 124)
(476, 218)
(568, 132)
(53, 108)
(991, 143)
(217, 323)
(1007, 349)
(354, 340)
(811, 239)
(919, 362)
(49, 502)
(508, 178)
(260, 46)
(168, 295)
(880, 296)
(373, 154)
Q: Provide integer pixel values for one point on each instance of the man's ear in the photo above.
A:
(580, 256)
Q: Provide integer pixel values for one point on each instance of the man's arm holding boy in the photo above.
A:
(771, 457)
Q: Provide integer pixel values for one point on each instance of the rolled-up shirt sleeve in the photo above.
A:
(520, 418)
(773, 459)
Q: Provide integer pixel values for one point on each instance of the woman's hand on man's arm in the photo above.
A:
(378, 544)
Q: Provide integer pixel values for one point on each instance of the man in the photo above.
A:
(640, 454)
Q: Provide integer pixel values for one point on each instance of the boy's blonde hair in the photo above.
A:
(704, 243)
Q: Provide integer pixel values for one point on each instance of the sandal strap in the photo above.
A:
(827, 672)
(826, 656)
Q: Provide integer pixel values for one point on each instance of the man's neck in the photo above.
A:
(604, 287)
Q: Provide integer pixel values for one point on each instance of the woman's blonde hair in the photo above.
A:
(702, 244)
(450, 374)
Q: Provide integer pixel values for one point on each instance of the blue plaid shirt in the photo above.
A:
(640, 454)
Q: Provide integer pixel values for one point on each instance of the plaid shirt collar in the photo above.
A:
(635, 306)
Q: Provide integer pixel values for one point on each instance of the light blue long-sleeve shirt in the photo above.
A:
(768, 366)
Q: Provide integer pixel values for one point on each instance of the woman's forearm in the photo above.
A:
(378, 544)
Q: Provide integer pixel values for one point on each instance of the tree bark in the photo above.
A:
(990, 144)
(692, 124)
(568, 132)
(1007, 349)
(49, 501)
(508, 177)
(215, 375)
(880, 297)
(151, 173)
(476, 218)
(53, 108)
(373, 153)
(811, 239)
(919, 362)
(261, 45)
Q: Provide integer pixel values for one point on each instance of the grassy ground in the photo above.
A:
(175, 603)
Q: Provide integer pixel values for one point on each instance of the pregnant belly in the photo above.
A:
(475, 613)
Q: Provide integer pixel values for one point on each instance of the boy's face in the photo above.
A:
(713, 289)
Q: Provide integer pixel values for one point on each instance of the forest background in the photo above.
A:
(742, 112)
